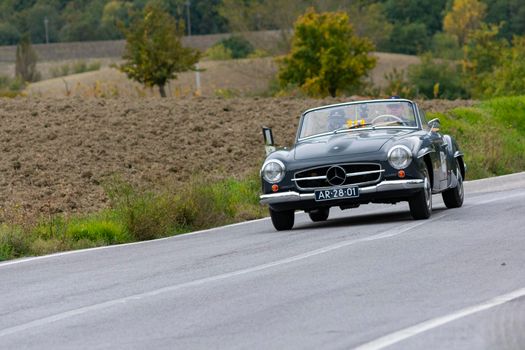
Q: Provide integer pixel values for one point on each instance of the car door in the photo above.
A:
(438, 154)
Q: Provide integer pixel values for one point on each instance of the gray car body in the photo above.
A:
(431, 150)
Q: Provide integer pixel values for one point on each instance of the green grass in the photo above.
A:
(137, 215)
(491, 134)
(10, 87)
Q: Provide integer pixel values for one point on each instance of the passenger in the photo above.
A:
(336, 119)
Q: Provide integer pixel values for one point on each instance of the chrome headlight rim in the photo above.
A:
(408, 160)
(282, 172)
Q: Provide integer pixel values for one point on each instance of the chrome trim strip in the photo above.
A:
(384, 186)
(347, 175)
(310, 178)
(365, 172)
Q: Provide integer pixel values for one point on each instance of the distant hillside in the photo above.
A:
(220, 78)
(266, 40)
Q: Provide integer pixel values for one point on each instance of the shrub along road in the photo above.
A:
(362, 275)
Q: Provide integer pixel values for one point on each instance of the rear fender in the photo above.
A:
(454, 155)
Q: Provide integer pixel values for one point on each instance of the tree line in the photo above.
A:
(403, 26)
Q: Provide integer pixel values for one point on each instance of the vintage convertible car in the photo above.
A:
(348, 154)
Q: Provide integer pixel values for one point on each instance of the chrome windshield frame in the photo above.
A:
(303, 115)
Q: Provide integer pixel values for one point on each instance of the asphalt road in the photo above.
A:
(369, 277)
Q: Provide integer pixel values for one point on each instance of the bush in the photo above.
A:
(398, 85)
(144, 215)
(13, 243)
(446, 46)
(218, 53)
(201, 204)
(10, 87)
(258, 53)
(238, 46)
(74, 68)
(437, 79)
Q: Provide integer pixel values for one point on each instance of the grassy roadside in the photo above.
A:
(492, 135)
(136, 215)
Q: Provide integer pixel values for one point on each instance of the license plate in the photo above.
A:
(336, 193)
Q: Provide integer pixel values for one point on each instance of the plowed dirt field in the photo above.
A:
(58, 153)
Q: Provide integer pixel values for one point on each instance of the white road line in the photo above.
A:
(64, 315)
(396, 231)
(419, 328)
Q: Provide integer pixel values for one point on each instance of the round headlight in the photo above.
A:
(399, 157)
(273, 171)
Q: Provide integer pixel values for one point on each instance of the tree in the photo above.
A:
(509, 13)
(32, 21)
(482, 53)
(326, 55)
(115, 12)
(409, 38)
(255, 15)
(437, 78)
(26, 58)
(371, 22)
(427, 12)
(465, 17)
(368, 18)
(9, 35)
(446, 46)
(154, 52)
(82, 21)
(508, 78)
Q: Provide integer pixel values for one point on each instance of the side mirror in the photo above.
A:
(269, 144)
(434, 125)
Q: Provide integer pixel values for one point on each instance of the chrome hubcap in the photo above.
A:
(460, 185)
(428, 193)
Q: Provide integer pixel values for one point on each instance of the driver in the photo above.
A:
(395, 109)
(336, 119)
(398, 109)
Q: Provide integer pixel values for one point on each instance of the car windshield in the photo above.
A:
(353, 116)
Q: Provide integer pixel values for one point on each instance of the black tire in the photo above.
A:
(282, 220)
(421, 203)
(453, 197)
(320, 214)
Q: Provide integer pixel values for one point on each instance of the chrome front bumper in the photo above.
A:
(383, 186)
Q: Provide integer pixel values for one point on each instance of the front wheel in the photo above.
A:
(320, 214)
(453, 197)
(282, 220)
(421, 203)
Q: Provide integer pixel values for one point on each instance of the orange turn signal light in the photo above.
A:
(401, 173)
(275, 188)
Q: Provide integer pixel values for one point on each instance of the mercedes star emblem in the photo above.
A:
(336, 176)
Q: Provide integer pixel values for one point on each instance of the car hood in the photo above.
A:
(347, 143)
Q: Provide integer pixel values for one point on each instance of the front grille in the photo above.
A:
(357, 174)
